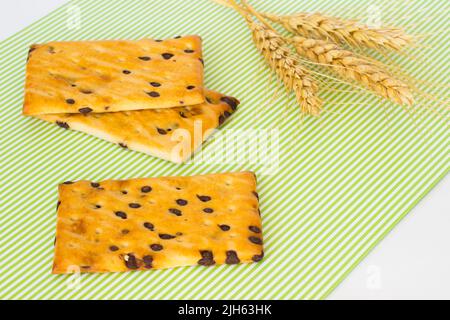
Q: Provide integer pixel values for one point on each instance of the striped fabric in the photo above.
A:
(341, 183)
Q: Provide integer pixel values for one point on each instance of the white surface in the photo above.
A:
(17, 14)
(412, 262)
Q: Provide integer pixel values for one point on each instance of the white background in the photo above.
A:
(412, 262)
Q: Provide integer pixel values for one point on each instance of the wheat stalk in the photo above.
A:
(281, 59)
(285, 64)
(350, 66)
(350, 32)
(290, 68)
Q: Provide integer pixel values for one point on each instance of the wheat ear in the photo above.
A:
(350, 66)
(350, 32)
(285, 64)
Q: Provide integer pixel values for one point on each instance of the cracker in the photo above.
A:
(168, 133)
(156, 223)
(113, 75)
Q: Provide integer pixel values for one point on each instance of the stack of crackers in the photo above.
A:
(146, 95)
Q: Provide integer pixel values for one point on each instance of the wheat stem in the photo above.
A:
(350, 66)
(280, 58)
(340, 31)
(284, 63)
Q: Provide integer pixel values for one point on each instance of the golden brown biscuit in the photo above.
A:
(171, 133)
(114, 75)
(155, 223)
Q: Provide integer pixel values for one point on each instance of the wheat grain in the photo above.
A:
(350, 66)
(340, 31)
(285, 64)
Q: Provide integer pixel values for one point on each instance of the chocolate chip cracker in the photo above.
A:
(155, 223)
(168, 133)
(116, 75)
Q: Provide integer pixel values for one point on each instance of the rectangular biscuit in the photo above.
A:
(156, 223)
(113, 75)
(170, 133)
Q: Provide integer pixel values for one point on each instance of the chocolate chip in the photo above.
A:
(166, 236)
(177, 37)
(207, 258)
(86, 91)
(134, 205)
(188, 50)
(201, 60)
(124, 192)
(224, 227)
(145, 58)
(181, 202)
(97, 206)
(232, 102)
(146, 189)
(175, 211)
(85, 267)
(207, 254)
(190, 87)
(208, 210)
(156, 247)
(256, 194)
(204, 198)
(158, 40)
(67, 182)
(221, 119)
(113, 248)
(31, 50)
(125, 231)
(209, 100)
(155, 84)
(149, 226)
(62, 124)
(254, 229)
(153, 94)
(181, 102)
(131, 261)
(167, 56)
(255, 240)
(126, 71)
(70, 101)
(121, 214)
(147, 261)
(123, 145)
(95, 184)
(182, 114)
(85, 110)
(232, 257)
(57, 205)
(226, 114)
(161, 131)
(258, 257)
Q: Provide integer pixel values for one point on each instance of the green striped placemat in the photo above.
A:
(338, 186)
